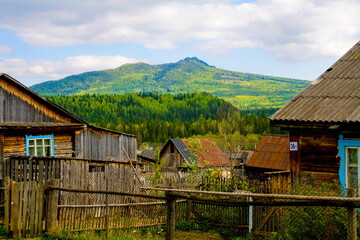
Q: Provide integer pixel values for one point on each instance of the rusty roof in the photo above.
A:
(334, 97)
(272, 152)
(207, 152)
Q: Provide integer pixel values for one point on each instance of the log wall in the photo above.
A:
(317, 157)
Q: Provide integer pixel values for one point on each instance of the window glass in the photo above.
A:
(39, 145)
(352, 154)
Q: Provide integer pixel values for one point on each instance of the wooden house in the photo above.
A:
(203, 152)
(270, 155)
(30, 125)
(323, 122)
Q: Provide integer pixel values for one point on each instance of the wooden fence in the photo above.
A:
(24, 204)
(75, 173)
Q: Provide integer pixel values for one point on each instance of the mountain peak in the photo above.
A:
(195, 59)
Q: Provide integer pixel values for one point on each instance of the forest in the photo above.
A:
(154, 117)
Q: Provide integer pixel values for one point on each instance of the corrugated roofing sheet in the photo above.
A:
(334, 97)
(184, 151)
(272, 152)
(208, 154)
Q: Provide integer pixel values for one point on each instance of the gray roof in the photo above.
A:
(184, 151)
(332, 98)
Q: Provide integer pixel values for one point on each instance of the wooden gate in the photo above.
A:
(24, 208)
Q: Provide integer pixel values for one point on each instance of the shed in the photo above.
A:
(30, 125)
(323, 122)
(271, 154)
(147, 159)
(203, 152)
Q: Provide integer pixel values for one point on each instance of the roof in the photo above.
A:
(40, 98)
(334, 97)
(272, 152)
(147, 155)
(77, 121)
(41, 125)
(184, 151)
(206, 151)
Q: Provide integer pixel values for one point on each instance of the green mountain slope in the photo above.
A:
(185, 76)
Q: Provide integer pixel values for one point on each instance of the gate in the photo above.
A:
(24, 208)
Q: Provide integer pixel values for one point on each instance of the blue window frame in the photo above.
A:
(42, 145)
(349, 153)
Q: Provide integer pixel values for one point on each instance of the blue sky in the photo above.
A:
(44, 40)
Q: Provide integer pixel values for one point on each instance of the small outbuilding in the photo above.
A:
(271, 155)
(204, 152)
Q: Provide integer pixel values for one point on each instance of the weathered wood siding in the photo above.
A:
(18, 106)
(14, 144)
(96, 144)
(317, 156)
(173, 159)
(84, 174)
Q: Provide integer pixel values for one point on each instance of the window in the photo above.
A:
(352, 169)
(349, 154)
(40, 145)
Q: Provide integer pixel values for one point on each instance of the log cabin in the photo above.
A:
(323, 122)
(30, 125)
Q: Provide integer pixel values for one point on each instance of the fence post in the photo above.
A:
(171, 216)
(189, 208)
(52, 206)
(352, 221)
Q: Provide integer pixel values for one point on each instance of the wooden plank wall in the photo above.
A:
(103, 145)
(14, 109)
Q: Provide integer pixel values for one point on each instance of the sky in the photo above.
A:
(43, 40)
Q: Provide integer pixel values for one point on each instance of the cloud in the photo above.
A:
(42, 70)
(5, 50)
(296, 30)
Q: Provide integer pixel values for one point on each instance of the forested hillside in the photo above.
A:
(157, 117)
(189, 75)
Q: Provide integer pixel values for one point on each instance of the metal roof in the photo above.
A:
(208, 154)
(184, 151)
(272, 152)
(332, 98)
(147, 154)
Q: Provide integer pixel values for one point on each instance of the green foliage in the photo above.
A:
(156, 117)
(188, 75)
(309, 222)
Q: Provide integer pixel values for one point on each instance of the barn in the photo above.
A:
(323, 122)
(32, 126)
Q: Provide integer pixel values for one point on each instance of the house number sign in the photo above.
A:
(293, 146)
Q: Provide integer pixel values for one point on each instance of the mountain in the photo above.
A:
(184, 76)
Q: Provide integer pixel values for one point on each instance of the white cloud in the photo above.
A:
(292, 30)
(5, 50)
(35, 71)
